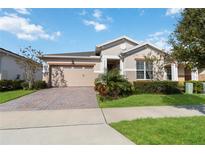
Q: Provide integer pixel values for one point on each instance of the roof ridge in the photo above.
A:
(116, 39)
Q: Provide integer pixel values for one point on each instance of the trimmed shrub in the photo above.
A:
(39, 84)
(6, 85)
(25, 85)
(157, 87)
(181, 86)
(113, 85)
(17, 84)
(36, 85)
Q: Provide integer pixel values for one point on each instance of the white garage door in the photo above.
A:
(73, 76)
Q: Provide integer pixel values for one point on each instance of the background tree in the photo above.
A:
(31, 63)
(188, 39)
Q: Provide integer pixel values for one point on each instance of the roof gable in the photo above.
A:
(114, 42)
(7, 52)
(141, 47)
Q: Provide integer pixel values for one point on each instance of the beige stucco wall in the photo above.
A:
(201, 74)
(181, 73)
(69, 61)
(130, 62)
(10, 69)
(116, 50)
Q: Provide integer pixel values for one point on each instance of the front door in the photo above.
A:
(113, 64)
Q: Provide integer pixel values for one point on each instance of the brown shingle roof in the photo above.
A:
(88, 53)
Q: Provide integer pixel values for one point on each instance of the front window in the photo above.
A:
(144, 70)
(140, 69)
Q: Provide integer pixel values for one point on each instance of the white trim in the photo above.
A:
(98, 72)
(121, 67)
(110, 57)
(165, 75)
(103, 64)
(194, 74)
(76, 57)
(144, 70)
(130, 69)
(114, 40)
(143, 79)
(174, 72)
(141, 45)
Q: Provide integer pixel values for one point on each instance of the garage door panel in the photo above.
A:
(77, 76)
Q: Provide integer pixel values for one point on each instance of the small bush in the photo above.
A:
(39, 84)
(6, 85)
(181, 86)
(25, 85)
(113, 85)
(17, 84)
(157, 87)
(197, 85)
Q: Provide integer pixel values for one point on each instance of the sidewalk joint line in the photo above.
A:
(51, 126)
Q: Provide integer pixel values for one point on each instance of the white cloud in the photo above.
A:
(97, 14)
(97, 20)
(159, 39)
(23, 29)
(173, 11)
(97, 26)
(23, 11)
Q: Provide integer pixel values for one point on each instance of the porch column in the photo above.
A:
(174, 70)
(103, 64)
(121, 67)
(165, 74)
(194, 74)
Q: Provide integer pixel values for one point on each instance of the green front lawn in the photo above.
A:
(154, 100)
(10, 95)
(187, 130)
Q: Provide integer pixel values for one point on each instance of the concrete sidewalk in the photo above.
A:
(98, 134)
(46, 118)
(74, 126)
(131, 113)
(79, 126)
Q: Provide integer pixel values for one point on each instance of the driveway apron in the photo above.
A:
(54, 99)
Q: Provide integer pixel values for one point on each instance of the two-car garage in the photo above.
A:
(73, 76)
(72, 69)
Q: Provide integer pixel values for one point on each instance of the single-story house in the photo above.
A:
(10, 69)
(124, 53)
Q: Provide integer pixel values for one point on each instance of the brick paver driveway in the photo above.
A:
(54, 99)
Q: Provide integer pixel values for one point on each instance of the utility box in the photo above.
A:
(189, 88)
(203, 91)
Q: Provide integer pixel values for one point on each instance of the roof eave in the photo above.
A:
(70, 57)
(141, 46)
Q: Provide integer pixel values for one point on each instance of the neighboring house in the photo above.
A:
(10, 69)
(124, 53)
